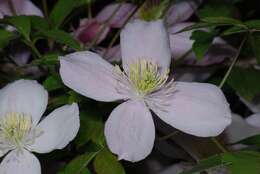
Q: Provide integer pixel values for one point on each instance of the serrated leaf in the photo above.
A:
(106, 163)
(63, 8)
(202, 42)
(21, 23)
(245, 82)
(6, 37)
(63, 38)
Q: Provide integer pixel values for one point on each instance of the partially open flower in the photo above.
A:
(196, 108)
(22, 104)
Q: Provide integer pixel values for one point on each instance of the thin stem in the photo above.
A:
(168, 136)
(89, 10)
(219, 145)
(233, 62)
(45, 8)
(214, 140)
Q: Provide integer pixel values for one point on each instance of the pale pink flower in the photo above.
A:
(199, 109)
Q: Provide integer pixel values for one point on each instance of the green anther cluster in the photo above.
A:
(145, 76)
(14, 127)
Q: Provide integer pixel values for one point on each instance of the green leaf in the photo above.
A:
(63, 8)
(224, 21)
(49, 59)
(216, 10)
(53, 82)
(39, 23)
(6, 37)
(206, 164)
(78, 165)
(202, 42)
(255, 43)
(196, 26)
(63, 38)
(153, 10)
(106, 163)
(243, 162)
(21, 23)
(253, 140)
(245, 81)
(91, 128)
(253, 24)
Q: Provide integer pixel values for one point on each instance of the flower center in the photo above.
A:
(145, 76)
(16, 130)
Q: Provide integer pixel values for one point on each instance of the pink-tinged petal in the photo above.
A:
(112, 55)
(90, 29)
(22, 7)
(59, 128)
(130, 131)
(233, 132)
(90, 75)
(145, 40)
(254, 120)
(181, 11)
(119, 17)
(24, 96)
(199, 109)
(22, 162)
(181, 44)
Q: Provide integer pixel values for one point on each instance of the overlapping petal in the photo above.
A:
(24, 96)
(20, 162)
(199, 109)
(146, 40)
(90, 75)
(58, 129)
(130, 131)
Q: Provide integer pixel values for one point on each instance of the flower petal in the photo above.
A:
(199, 109)
(130, 131)
(254, 120)
(59, 128)
(20, 162)
(181, 11)
(149, 40)
(233, 132)
(24, 96)
(119, 18)
(90, 75)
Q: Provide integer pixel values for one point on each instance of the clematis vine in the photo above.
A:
(22, 104)
(144, 84)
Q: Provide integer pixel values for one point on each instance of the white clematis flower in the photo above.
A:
(22, 104)
(196, 108)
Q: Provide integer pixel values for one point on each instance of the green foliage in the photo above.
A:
(63, 38)
(6, 37)
(48, 59)
(202, 42)
(253, 140)
(255, 45)
(106, 163)
(153, 10)
(53, 82)
(63, 8)
(216, 10)
(79, 164)
(21, 23)
(91, 128)
(237, 162)
(245, 81)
